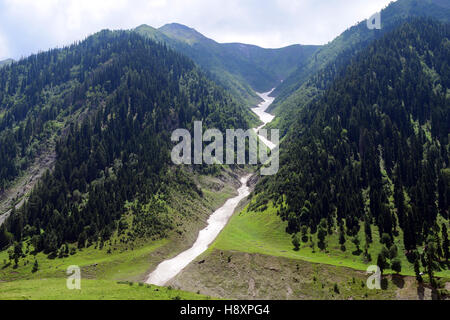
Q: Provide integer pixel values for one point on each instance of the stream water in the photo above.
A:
(168, 269)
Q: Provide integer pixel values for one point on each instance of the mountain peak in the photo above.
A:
(152, 33)
(178, 27)
(6, 62)
(182, 32)
(145, 27)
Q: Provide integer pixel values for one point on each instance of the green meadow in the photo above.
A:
(56, 289)
(100, 277)
(119, 264)
(116, 269)
(264, 233)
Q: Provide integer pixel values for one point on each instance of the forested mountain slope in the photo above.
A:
(373, 152)
(6, 62)
(277, 64)
(309, 81)
(241, 68)
(130, 93)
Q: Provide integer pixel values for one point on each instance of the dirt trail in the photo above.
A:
(19, 191)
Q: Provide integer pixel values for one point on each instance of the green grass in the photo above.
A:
(99, 274)
(264, 233)
(93, 262)
(120, 259)
(229, 274)
(56, 289)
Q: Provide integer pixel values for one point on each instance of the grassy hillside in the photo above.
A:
(115, 269)
(251, 276)
(304, 85)
(55, 289)
(130, 94)
(346, 181)
(265, 233)
(254, 258)
(105, 274)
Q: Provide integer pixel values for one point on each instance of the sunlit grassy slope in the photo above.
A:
(264, 233)
(56, 289)
(50, 282)
(108, 266)
(107, 271)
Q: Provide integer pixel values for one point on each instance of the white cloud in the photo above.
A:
(29, 25)
(4, 48)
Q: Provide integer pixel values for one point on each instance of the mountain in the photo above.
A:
(6, 62)
(371, 156)
(304, 84)
(364, 179)
(279, 63)
(109, 105)
(239, 67)
(185, 34)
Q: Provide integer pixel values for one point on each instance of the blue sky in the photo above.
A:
(29, 26)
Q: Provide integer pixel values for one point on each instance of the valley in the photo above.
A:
(216, 222)
(219, 219)
(89, 180)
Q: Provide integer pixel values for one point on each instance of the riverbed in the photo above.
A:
(168, 269)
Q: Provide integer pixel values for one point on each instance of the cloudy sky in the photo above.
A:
(29, 26)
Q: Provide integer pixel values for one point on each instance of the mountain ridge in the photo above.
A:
(369, 159)
(303, 86)
(400, 9)
(231, 63)
(6, 62)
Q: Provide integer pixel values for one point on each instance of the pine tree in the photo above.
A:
(342, 239)
(393, 252)
(399, 199)
(430, 259)
(445, 242)
(368, 230)
(396, 265)
(82, 240)
(5, 237)
(357, 242)
(35, 266)
(296, 242)
(381, 262)
(417, 270)
(304, 232)
(321, 235)
(17, 253)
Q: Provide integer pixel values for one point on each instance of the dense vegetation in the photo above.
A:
(132, 93)
(318, 72)
(367, 123)
(374, 150)
(5, 62)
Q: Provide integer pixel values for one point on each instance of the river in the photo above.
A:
(168, 269)
(265, 117)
